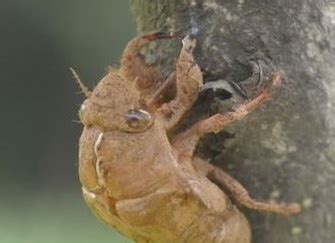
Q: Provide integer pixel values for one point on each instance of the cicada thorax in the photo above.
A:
(127, 164)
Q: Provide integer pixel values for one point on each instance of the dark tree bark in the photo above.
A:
(284, 151)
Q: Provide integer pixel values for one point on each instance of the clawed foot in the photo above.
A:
(189, 43)
(262, 74)
(262, 70)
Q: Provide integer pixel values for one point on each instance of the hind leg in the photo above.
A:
(239, 193)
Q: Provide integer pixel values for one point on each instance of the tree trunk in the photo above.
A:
(284, 151)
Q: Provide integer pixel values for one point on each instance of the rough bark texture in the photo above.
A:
(284, 151)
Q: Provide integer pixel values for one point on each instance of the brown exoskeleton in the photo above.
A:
(146, 185)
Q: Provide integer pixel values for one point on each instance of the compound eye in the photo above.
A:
(138, 119)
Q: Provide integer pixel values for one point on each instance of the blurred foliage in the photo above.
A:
(56, 218)
(40, 40)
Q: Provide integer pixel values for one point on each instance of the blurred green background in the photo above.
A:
(40, 193)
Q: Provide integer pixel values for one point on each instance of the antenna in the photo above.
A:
(83, 88)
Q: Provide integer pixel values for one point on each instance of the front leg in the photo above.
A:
(238, 192)
(186, 142)
(216, 123)
(188, 82)
(133, 66)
